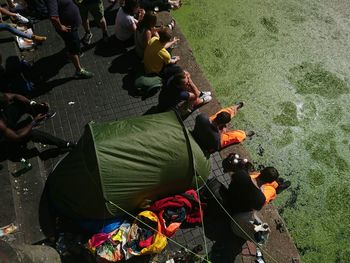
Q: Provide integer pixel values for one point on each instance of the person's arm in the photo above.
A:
(134, 21)
(147, 37)
(170, 43)
(16, 136)
(191, 86)
(10, 97)
(52, 7)
(174, 59)
(7, 12)
(55, 20)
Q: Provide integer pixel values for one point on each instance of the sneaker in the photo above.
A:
(172, 24)
(22, 19)
(283, 186)
(38, 39)
(206, 99)
(83, 74)
(250, 134)
(86, 40)
(239, 105)
(71, 144)
(204, 93)
(50, 115)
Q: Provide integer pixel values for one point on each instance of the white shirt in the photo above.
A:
(123, 25)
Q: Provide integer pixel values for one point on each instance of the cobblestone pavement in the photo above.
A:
(76, 102)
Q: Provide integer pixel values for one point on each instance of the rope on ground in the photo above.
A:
(202, 215)
(171, 240)
(234, 221)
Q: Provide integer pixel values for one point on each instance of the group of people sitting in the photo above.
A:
(21, 20)
(153, 45)
(19, 118)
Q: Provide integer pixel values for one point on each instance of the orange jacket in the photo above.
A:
(230, 110)
(268, 189)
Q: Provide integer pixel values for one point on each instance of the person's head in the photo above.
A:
(149, 20)
(177, 81)
(268, 174)
(165, 35)
(131, 6)
(222, 119)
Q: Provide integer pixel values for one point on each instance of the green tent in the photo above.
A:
(127, 162)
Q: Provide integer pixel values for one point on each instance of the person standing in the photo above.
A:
(65, 17)
(96, 9)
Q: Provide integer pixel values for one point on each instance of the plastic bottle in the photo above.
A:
(259, 256)
(25, 167)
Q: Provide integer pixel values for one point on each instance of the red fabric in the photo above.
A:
(147, 242)
(193, 214)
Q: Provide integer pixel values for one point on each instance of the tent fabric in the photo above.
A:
(129, 163)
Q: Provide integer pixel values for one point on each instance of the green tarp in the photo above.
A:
(127, 162)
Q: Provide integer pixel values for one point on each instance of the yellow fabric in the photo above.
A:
(155, 56)
(159, 241)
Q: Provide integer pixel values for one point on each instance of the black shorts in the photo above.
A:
(71, 40)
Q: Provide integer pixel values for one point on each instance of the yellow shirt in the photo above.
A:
(155, 56)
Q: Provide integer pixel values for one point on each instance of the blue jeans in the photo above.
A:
(13, 30)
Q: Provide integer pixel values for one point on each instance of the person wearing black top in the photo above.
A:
(243, 195)
(207, 134)
(15, 133)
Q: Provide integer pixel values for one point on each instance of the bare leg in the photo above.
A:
(86, 25)
(103, 25)
(76, 62)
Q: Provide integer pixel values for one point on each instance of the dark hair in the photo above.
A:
(149, 20)
(176, 81)
(130, 5)
(268, 174)
(223, 118)
(165, 35)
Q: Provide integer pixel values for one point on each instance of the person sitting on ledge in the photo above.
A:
(7, 27)
(126, 23)
(17, 133)
(156, 56)
(146, 29)
(211, 133)
(180, 87)
(267, 179)
(160, 5)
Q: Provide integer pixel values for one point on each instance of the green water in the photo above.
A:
(289, 61)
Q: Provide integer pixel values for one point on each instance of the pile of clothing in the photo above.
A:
(148, 233)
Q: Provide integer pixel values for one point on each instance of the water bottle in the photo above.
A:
(60, 245)
(259, 256)
(25, 167)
